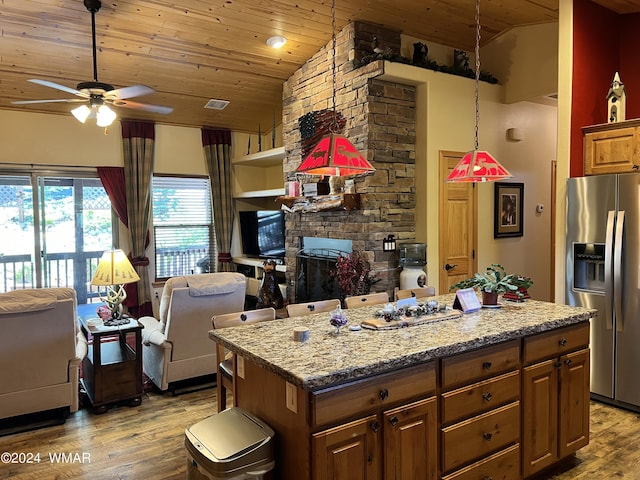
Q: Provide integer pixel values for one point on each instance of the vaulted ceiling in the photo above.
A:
(191, 51)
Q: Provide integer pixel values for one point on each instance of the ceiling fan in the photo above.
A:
(97, 96)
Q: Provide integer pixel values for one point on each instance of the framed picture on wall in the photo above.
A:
(508, 210)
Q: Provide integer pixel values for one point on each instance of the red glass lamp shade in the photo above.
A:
(478, 166)
(335, 155)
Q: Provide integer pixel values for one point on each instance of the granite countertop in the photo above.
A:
(328, 358)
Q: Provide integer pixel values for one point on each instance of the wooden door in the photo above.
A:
(348, 452)
(540, 416)
(574, 402)
(458, 223)
(410, 435)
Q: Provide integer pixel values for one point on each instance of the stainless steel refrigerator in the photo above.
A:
(603, 272)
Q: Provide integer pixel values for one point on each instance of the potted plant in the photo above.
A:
(494, 282)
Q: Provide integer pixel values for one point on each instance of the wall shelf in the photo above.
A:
(321, 203)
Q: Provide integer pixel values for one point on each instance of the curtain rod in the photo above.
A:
(44, 167)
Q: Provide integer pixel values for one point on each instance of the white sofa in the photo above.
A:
(176, 346)
(41, 348)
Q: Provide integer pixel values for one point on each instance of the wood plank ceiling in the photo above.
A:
(191, 51)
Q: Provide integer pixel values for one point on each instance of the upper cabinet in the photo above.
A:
(612, 148)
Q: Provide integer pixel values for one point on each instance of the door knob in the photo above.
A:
(448, 267)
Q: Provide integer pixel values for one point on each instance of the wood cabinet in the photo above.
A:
(480, 413)
(612, 148)
(555, 396)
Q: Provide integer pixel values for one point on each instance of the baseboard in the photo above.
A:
(33, 421)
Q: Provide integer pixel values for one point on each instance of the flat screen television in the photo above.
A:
(263, 233)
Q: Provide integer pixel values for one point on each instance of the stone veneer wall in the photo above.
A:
(380, 122)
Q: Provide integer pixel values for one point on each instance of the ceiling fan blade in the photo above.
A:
(129, 92)
(143, 106)
(57, 86)
(62, 100)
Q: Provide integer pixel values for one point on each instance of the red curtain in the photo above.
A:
(112, 179)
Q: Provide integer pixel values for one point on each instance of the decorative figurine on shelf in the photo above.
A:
(616, 100)
(270, 294)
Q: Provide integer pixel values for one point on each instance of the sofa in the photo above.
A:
(176, 345)
(41, 348)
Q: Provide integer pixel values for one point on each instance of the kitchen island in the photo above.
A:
(445, 399)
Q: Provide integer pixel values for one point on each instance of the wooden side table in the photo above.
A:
(112, 369)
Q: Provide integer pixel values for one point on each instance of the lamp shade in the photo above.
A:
(114, 268)
(335, 155)
(478, 166)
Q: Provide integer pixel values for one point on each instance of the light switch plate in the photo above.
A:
(291, 397)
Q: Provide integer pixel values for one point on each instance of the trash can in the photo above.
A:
(232, 445)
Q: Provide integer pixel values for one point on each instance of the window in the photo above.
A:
(183, 226)
(53, 230)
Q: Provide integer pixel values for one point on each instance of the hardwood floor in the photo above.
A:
(147, 442)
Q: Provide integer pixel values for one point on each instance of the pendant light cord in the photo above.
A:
(334, 122)
(477, 81)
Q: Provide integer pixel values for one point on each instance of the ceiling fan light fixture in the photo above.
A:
(105, 116)
(277, 41)
(81, 113)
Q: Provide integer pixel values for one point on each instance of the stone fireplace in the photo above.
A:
(379, 119)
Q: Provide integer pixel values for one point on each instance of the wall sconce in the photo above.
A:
(389, 244)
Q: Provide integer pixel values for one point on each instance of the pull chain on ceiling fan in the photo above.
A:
(95, 95)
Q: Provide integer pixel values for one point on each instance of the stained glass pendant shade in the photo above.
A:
(335, 156)
(478, 166)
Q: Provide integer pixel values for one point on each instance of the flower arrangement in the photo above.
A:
(353, 274)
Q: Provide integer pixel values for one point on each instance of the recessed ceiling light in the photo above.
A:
(276, 41)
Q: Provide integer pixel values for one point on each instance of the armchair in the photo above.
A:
(41, 348)
(176, 346)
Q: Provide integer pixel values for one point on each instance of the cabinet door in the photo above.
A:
(611, 151)
(348, 452)
(410, 433)
(540, 416)
(574, 402)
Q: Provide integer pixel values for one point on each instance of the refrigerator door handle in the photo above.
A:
(617, 270)
(608, 269)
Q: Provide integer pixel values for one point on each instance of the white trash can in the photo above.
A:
(232, 445)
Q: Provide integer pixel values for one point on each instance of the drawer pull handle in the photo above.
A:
(487, 396)
(487, 436)
(375, 426)
(384, 393)
(563, 342)
(393, 421)
(487, 478)
(486, 365)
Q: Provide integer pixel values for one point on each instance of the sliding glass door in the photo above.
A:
(55, 237)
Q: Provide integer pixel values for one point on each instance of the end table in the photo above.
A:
(112, 369)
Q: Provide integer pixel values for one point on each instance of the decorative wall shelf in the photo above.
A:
(342, 201)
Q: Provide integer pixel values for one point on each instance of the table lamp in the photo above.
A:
(114, 271)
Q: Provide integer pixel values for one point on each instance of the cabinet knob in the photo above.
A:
(375, 426)
(563, 342)
(487, 436)
(393, 421)
(486, 365)
(487, 396)
(635, 166)
(567, 362)
(558, 364)
(384, 393)
(487, 478)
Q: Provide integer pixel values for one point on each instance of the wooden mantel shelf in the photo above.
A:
(320, 203)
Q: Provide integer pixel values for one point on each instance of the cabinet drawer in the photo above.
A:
(556, 342)
(504, 465)
(388, 389)
(479, 436)
(480, 397)
(479, 364)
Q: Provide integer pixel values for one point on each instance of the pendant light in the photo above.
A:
(334, 155)
(478, 165)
